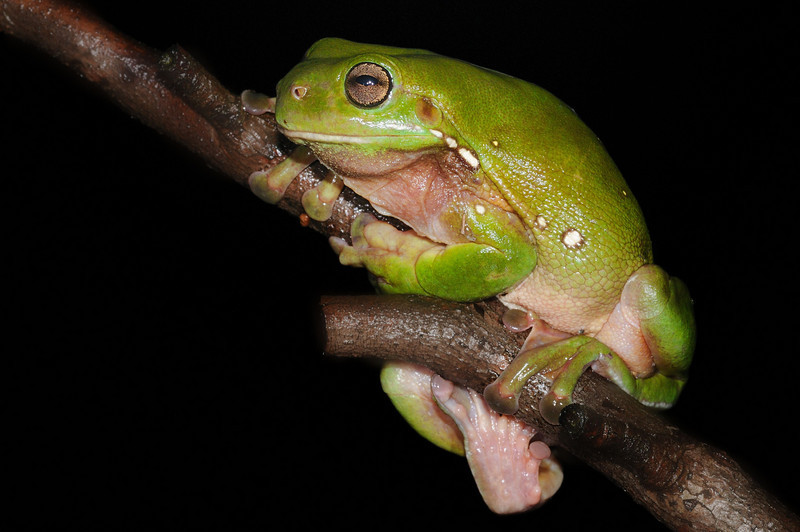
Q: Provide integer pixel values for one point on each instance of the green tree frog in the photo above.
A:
(508, 194)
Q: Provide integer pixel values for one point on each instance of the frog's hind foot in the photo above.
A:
(567, 359)
(513, 473)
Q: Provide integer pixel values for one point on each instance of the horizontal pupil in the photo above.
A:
(365, 80)
(368, 84)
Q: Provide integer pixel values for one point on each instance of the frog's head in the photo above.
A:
(359, 107)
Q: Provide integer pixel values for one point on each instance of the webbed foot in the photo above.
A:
(513, 474)
(388, 253)
(565, 361)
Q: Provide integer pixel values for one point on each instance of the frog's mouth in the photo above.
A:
(334, 138)
(327, 138)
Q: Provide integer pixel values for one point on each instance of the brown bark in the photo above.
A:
(683, 482)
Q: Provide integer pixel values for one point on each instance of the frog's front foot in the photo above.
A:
(388, 253)
(271, 185)
(318, 201)
(513, 474)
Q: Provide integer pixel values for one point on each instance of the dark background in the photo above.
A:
(159, 340)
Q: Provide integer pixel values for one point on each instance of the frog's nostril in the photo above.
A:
(299, 91)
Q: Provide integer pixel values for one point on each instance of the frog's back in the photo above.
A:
(550, 168)
(555, 172)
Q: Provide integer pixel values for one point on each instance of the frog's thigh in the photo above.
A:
(664, 309)
(409, 388)
(652, 327)
(513, 474)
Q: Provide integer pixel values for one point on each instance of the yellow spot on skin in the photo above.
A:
(451, 142)
(480, 209)
(572, 239)
(436, 133)
(495, 143)
(541, 222)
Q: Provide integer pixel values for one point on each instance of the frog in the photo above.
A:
(506, 194)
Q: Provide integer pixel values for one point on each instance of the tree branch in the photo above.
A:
(683, 482)
(171, 93)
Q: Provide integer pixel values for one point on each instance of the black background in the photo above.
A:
(159, 340)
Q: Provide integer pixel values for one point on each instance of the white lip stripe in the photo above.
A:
(465, 154)
(322, 137)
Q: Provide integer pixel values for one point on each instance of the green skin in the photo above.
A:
(508, 194)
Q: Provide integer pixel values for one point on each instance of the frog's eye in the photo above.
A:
(368, 84)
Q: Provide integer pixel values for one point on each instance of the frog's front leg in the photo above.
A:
(497, 254)
(645, 348)
(513, 474)
(270, 185)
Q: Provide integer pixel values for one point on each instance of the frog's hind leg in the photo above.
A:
(560, 393)
(657, 390)
(409, 388)
(568, 359)
(513, 473)
(503, 394)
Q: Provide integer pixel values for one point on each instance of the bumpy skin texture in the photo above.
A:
(507, 193)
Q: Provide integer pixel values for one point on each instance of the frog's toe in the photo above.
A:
(517, 320)
(271, 185)
(503, 394)
(318, 202)
(256, 103)
(338, 244)
(348, 255)
(501, 399)
(512, 474)
(551, 405)
(358, 227)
